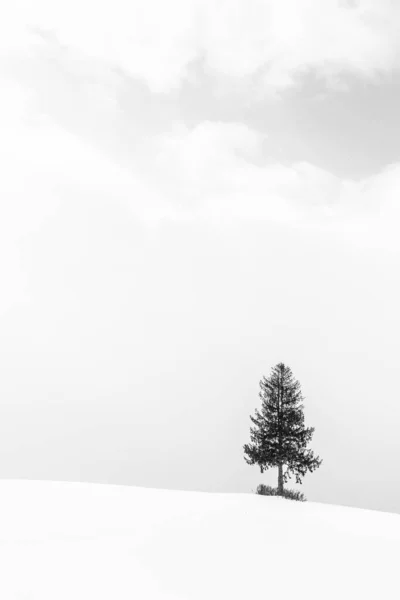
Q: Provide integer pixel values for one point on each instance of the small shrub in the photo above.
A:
(267, 490)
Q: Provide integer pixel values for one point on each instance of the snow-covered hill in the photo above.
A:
(74, 541)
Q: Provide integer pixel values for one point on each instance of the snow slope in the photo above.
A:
(77, 541)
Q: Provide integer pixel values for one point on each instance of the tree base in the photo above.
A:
(268, 490)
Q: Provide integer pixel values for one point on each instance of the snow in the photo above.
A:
(81, 541)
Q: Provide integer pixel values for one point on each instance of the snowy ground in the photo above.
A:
(78, 541)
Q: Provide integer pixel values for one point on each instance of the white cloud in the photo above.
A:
(216, 171)
(217, 168)
(273, 40)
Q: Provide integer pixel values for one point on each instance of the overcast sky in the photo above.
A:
(191, 192)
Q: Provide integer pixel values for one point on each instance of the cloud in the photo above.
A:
(64, 129)
(214, 171)
(217, 171)
(268, 43)
(219, 167)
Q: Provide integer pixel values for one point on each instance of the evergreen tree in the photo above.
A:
(279, 438)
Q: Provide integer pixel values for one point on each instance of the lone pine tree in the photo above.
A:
(279, 438)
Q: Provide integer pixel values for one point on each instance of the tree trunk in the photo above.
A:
(280, 480)
(280, 468)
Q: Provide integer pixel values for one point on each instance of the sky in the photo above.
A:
(189, 194)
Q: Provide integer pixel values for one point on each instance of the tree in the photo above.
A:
(279, 438)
